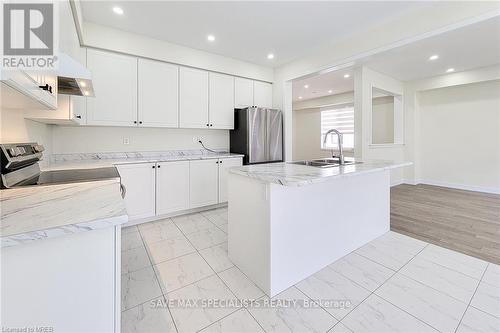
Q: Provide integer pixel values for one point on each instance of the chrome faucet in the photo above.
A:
(339, 140)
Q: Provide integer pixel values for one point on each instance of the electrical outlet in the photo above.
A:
(126, 141)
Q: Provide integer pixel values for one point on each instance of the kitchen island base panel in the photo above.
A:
(69, 283)
(280, 235)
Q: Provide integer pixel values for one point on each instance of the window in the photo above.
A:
(340, 118)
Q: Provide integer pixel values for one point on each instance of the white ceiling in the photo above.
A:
(319, 86)
(473, 46)
(248, 30)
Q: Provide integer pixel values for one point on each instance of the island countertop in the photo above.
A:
(37, 212)
(289, 174)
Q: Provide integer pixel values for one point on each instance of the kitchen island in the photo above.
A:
(288, 221)
(60, 257)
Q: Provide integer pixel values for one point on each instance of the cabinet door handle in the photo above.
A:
(140, 122)
(45, 87)
(159, 166)
(154, 167)
(78, 116)
(135, 122)
(220, 162)
(211, 125)
(207, 125)
(123, 190)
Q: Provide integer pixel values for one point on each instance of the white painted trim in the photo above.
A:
(118, 274)
(357, 58)
(77, 18)
(492, 190)
(386, 145)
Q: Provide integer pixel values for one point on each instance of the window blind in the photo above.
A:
(340, 118)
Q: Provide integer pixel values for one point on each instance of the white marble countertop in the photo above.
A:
(95, 161)
(298, 175)
(38, 212)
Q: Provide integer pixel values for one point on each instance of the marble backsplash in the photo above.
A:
(138, 154)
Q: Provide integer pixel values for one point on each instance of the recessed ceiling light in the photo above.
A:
(210, 38)
(86, 93)
(434, 57)
(346, 76)
(306, 86)
(118, 10)
(300, 97)
(83, 84)
(450, 70)
(270, 56)
(330, 91)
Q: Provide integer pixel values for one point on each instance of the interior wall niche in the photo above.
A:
(386, 118)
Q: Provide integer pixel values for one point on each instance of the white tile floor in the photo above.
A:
(172, 268)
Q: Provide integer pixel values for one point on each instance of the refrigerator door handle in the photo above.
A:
(266, 135)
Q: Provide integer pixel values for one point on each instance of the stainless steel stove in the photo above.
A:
(19, 167)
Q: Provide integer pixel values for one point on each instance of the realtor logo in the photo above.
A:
(28, 36)
(28, 29)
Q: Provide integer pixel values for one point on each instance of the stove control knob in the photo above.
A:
(38, 148)
(12, 152)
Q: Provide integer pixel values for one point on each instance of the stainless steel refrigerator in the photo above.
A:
(258, 134)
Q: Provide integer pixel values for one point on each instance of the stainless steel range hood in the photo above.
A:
(73, 78)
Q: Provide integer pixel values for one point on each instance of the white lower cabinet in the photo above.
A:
(203, 176)
(172, 187)
(168, 187)
(224, 165)
(140, 182)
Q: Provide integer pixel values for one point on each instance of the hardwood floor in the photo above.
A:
(464, 221)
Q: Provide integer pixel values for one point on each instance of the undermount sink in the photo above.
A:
(324, 162)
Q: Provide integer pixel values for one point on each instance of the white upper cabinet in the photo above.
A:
(193, 98)
(114, 77)
(243, 92)
(140, 182)
(262, 94)
(221, 105)
(158, 85)
(224, 165)
(203, 183)
(172, 187)
(71, 110)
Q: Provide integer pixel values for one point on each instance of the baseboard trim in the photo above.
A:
(178, 213)
(491, 190)
(403, 181)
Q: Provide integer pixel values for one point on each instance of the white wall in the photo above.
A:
(306, 135)
(67, 139)
(86, 139)
(413, 130)
(383, 120)
(347, 97)
(365, 80)
(460, 141)
(307, 125)
(403, 30)
(102, 37)
(14, 129)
